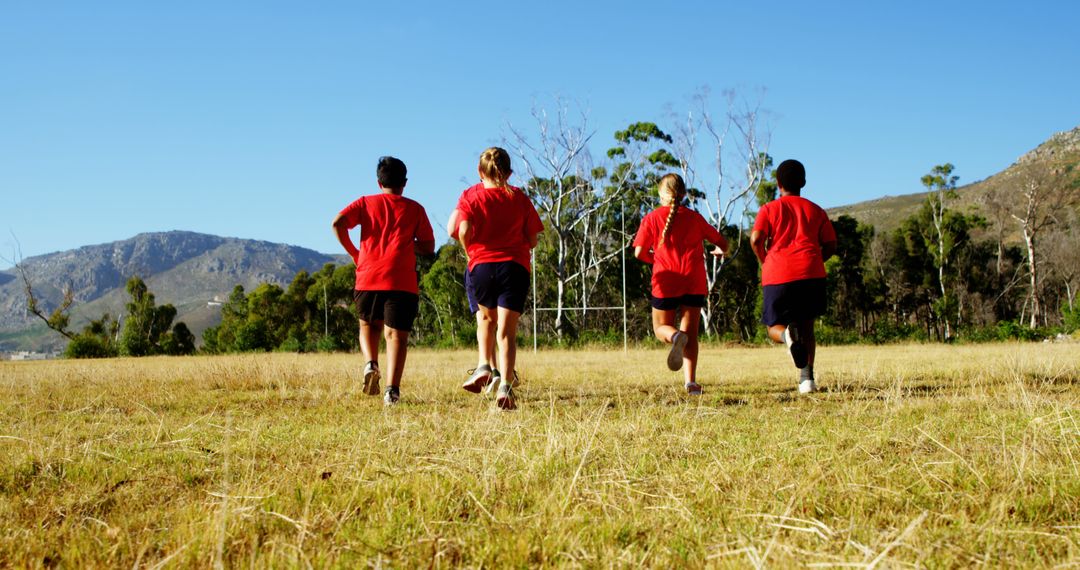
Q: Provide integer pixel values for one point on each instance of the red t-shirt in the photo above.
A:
(678, 263)
(501, 222)
(389, 227)
(795, 228)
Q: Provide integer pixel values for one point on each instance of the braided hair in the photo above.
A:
(672, 190)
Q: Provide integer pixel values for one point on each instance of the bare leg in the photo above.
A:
(507, 338)
(397, 346)
(689, 324)
(485, 336)
(806, 332)
(663, 324)
(776, 333)
(369, 340)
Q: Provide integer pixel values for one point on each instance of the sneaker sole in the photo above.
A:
(807, 387)
(694, 390)
(675, 355)
(371, 383)
(476, 385)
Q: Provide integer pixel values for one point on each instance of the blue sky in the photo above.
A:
(263, 119)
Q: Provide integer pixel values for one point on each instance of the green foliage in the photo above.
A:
(146, 325)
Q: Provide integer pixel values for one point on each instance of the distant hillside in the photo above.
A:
(1057, 160)
(183, 268)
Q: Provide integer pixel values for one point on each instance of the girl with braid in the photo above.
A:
(671, 239)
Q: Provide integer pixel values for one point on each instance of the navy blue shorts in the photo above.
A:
(786, 303)
(499, 284)
(673, 303)
(397, 309)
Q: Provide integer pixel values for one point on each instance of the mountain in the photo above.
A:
(1056, 162)
(185, 269)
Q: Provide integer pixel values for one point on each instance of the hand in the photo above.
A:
(717, 252)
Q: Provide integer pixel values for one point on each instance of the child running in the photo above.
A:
(498, 227)
(393, 230)
(484, 374)
(792, 238)
(671, 239)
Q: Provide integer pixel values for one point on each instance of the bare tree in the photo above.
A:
(736, 143)
(1037, 212)
(556, 176)
(59, 318)
(1061, 247)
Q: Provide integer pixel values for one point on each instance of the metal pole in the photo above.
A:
(622, 218)
(535, 314)
(326, 312)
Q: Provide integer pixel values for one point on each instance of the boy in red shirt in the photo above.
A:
(393, 230)
(671, 238)
(792, 238)
(498, 228)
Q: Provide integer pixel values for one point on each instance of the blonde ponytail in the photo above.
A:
(672, 190)
(495, 166)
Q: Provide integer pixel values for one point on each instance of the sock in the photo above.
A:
(806, 373)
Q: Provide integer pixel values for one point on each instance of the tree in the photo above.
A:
(940, 183)
(146, 324)
(1038, 211)
(733, 146)
(575, 201)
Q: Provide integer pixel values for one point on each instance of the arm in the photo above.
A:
(757, 243)
(465, 234)
(643, 254)
(341, 230)
(452, 224)
(533, 239)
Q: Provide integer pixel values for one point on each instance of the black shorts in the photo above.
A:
(672, 303)
(786, 303)
(500, 284)
(396, 309)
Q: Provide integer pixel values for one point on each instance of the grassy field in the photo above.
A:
(912, 456)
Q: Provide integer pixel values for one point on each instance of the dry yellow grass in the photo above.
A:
(914, 455)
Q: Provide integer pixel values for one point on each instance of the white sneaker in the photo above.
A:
(479, 378)
(807, 387)
(371, 379)
(674, 356)
(504, 398)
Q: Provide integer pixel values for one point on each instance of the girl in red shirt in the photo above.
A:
(670, 238)
(498, 228)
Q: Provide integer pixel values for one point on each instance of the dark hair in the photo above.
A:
(391, 172)
(791, 175)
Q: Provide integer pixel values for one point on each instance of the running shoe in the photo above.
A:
(391, 396)
(505, 397)
(693, 388)
(678, 343)
(796, 346)
(480, 377)
(807, 387)
(371, 378)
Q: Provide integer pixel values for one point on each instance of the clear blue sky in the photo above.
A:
(262, 119)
